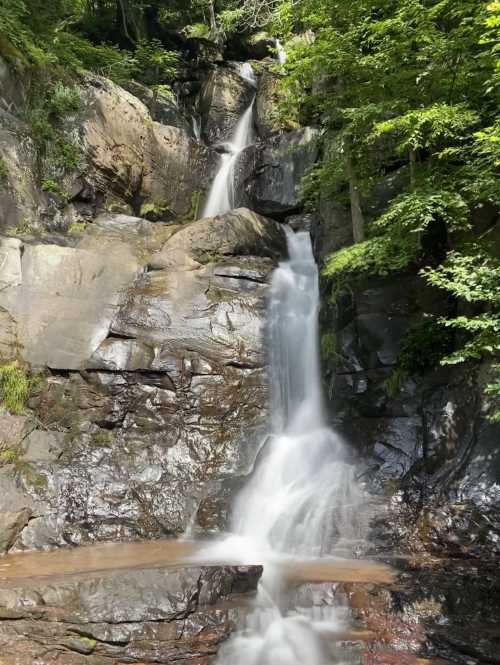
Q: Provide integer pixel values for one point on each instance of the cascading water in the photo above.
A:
(221, 195)
(282, 56)
(302, 500)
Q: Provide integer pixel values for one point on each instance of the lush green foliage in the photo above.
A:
(408, 89)
(400, 86)
(14, 387)
(474, 279)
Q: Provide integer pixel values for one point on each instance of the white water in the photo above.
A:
(302, 500)
(221, 195)
(282, 56)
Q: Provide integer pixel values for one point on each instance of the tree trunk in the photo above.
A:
(358, 222)
(413, 164)
(212, 20)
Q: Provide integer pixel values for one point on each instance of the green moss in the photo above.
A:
(394, 382)
(88, 644)
(154, 212)
(51, 186)
(4, 172)
(25, 227)
(198, 30)
(14, 387)
(101, 439)
(77, 228)
(9, 455)
(328, 346)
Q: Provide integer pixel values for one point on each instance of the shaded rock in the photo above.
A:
(12, 77)
(224, 97)
(161, 106)
(154, 336)
(259, 46)
(425, 438)
(268, 177)
(266, 105)
(21, 201)
(16, 508)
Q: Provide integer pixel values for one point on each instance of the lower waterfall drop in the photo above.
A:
(302, 500)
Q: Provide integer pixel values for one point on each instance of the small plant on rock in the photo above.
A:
(14, 387)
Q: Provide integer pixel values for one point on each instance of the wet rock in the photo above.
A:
(426, 439)
(224, 97)
(157, 393)
(268, 177)
(134, 616)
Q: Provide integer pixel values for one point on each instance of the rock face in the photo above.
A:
(20, 199)
(156, 615)
(155, 399)
(147, 165)
(135, 156)
(428, 444)
(266, 103)
(268, 176)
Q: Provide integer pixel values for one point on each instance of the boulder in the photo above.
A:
(162, 107)
(259, 46)
(63, 299)
(224, 98)
(156, 168)
(266, 105)
(159, 614)
(268, 177)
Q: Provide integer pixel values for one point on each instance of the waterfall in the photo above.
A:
(282, 56)
(302, 500)
(221, 195)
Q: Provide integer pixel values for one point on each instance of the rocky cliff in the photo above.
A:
(141, 329)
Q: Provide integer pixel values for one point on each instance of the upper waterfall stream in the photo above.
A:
(221, 195)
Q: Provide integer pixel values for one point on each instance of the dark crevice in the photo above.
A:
(247, 278)
(115, 335)
(243, 365)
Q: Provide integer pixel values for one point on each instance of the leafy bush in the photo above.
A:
(63, 100)
(14, 387)
(77, 53)
(424, 346)
(153, 63)
(400, 232)
(377, 256)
